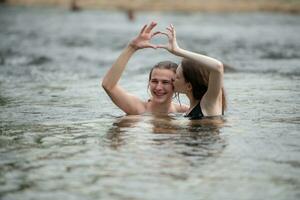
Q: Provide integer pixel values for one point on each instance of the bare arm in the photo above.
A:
(215, 69)
(125, 101)
(213, 66)
(129, 103)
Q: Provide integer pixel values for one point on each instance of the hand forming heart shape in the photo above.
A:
(146, 34)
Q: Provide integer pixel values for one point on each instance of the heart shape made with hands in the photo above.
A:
(159, 40)
(145, 39)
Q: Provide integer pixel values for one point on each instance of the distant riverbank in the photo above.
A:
(290, 6)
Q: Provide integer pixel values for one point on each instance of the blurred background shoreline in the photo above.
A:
(288, 6)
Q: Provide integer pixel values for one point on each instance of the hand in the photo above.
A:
(143, 39)
(172, 45)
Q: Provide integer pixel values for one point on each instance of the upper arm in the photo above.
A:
(215, 84)
(127, 102)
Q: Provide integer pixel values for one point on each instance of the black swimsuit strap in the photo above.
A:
(195, 113)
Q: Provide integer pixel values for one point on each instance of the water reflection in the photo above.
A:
(179, 135)
(115, 133)
(3, 101)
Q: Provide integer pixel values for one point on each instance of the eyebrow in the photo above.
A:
(161, 79)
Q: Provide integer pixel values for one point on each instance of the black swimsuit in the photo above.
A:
(196, 113)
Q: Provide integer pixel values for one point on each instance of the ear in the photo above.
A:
(148, 90)
(189, 87)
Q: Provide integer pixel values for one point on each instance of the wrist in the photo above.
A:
(132, 46)
(177, 51)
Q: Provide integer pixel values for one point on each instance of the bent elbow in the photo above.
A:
(105, 85)
(106, 88)
(220, 67)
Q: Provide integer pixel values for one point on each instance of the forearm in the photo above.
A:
(206, 62)
(114, 73)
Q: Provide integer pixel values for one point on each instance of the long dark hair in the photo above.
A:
(198, 77)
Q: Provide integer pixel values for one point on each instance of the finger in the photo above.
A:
(152, 46)
(163, 33)
(167, 34)
(171, 27)
(156, 33)
(150, 27)
(162, 46)
(171, 30)
(149, 45)
(143, 29)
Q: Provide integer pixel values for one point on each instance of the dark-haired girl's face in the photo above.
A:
(180, 85)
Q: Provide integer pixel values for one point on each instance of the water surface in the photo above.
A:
(61, 137)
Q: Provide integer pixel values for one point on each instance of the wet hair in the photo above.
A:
(198, 78)
(169, 65)
(164, 65)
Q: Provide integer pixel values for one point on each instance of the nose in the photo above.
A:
(159, 85)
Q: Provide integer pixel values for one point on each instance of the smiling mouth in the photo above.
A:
(159, 94)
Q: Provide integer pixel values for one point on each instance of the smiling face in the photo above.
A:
(161, 85)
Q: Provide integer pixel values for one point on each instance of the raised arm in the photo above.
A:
(129, 103)
(213, 66)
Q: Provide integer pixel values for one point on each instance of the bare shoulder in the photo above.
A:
(142, 107)
(132, 105)
(181, 108)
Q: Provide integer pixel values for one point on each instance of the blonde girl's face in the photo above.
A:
(161, 85)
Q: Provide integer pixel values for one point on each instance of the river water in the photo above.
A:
(61, 137)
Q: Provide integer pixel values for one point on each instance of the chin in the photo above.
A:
(160, 100)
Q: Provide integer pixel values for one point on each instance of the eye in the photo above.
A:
(165, 82)
(154, 81)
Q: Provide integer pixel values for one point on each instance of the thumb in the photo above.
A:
(152, 46)
(162, 46)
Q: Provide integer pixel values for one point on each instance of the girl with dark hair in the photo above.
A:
(161, 80)
(199, 77)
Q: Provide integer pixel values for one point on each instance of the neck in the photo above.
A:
(160, 108)
(193, 101)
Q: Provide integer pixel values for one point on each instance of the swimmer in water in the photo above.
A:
(160, 83)
(199, 77)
